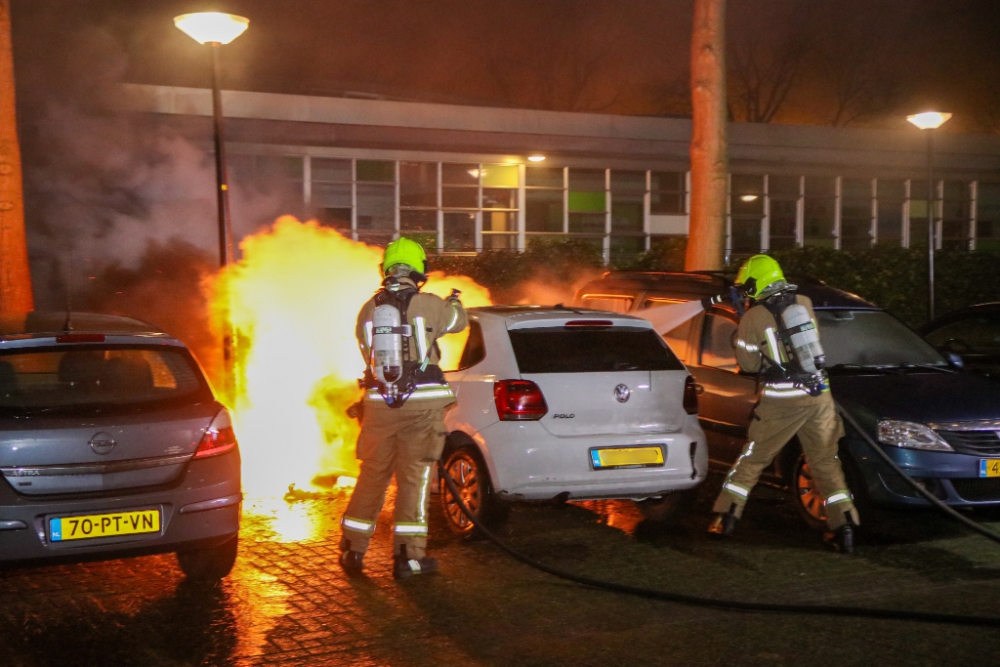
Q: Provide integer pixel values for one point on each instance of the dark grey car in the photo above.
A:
(938, 424)
(112, 444)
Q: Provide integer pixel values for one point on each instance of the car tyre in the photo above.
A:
(809, 502)
(468, 471)
(209, 564)
(668, 508)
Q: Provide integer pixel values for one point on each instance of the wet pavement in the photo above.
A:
(288, 603)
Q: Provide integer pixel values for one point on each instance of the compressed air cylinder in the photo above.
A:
(387, 344)
(806, 342)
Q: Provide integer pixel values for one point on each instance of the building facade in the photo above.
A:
(471, 179)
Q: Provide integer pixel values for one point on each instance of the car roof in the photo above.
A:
(47, 324)
(697, 284)
(524, 315)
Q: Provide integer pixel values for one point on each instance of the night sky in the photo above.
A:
(626, 56)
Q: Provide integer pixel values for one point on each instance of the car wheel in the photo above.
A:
(209, 564)
(468, 471)
(808, 500)
(667, 508)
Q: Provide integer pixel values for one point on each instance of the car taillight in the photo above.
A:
(519, 400)
(690, 396)
(219, 437)
(80, 338)
(589, 323)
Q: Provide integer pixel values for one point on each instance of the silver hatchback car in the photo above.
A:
(112, 444)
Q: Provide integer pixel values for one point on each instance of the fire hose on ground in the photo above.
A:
(744, 606)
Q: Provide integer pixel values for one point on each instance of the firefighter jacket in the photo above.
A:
(757, 333)
(431, 317)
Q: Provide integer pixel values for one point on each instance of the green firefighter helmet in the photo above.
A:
(763, 270)
(404, 251)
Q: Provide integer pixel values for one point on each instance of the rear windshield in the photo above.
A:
(113, 378)
(591, 350)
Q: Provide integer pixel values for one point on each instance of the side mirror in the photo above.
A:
(956, 346)
(955, 360)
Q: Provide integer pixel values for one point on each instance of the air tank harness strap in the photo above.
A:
(405, 330)
(786, 334)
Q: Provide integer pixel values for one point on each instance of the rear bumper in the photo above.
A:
(528, 463)
(200, 509)
(951, 477)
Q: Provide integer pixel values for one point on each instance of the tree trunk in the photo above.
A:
(707, 231)
(15, 278)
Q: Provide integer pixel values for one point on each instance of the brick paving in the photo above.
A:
(287, 602)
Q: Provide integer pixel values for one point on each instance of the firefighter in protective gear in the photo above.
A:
(402, 424)
(778, 339)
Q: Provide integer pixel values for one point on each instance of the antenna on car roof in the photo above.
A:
(559, 306)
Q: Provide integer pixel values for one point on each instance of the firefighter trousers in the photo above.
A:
(776, 420)
(404, 442)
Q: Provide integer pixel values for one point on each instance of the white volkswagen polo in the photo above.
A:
(555, 403)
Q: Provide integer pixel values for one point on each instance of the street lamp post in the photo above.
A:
(930, 121)
(216, 29)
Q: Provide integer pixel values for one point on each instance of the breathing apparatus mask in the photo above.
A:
(396, 274)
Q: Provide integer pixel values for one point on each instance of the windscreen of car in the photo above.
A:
(115, 378)
(871, 338)
(591, 350)
(979, 333)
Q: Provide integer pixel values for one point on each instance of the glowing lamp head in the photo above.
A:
(212, 27)
(748, 198)
(929, 120)
(536, 158)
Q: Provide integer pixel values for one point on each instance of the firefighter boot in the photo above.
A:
(842, 539)
(351, 561)
(404, 567)
(724, 524)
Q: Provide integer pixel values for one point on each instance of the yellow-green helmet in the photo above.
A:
(404, 251)
(763, 269)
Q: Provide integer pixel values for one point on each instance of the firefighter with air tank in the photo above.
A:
(402, 422)
(778, 340)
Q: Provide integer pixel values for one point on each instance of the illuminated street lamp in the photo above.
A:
(216, 29)
(930, 121)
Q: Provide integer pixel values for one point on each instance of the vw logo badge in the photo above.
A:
(622, 393)
(102, 443)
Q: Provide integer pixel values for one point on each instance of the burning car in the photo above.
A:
(569, 404)
(112, 444)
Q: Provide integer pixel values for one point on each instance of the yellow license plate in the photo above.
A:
(622, 457)
(989, 467)
(93, 526)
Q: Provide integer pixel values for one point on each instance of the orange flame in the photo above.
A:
(293, 301)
